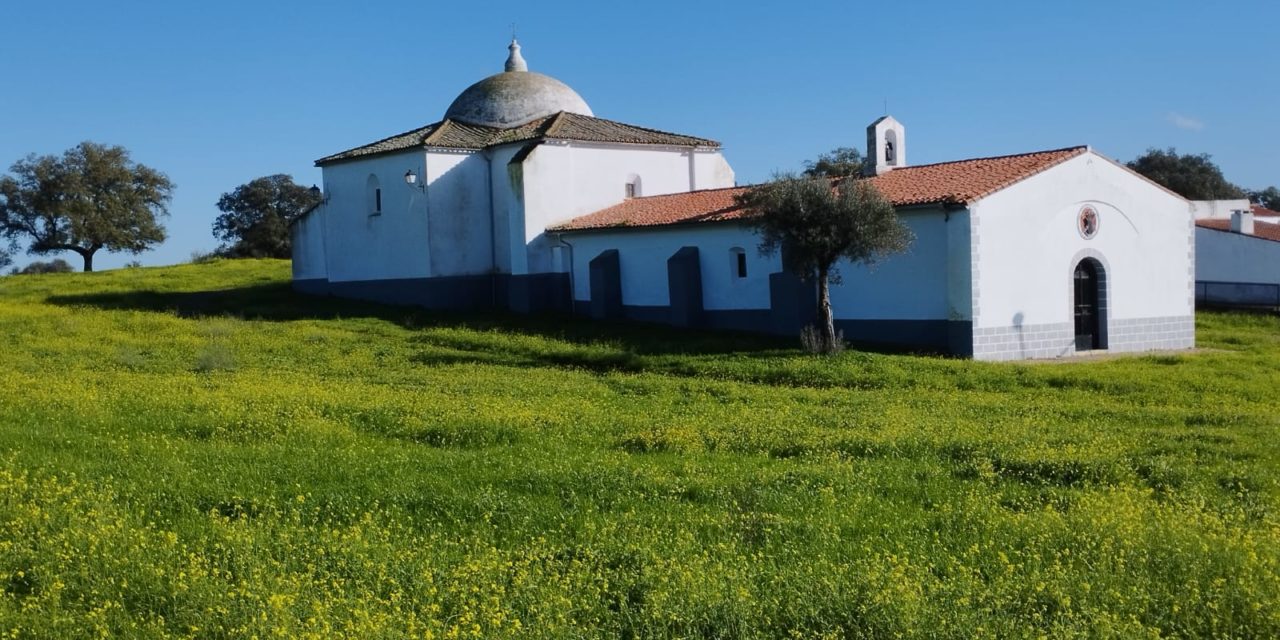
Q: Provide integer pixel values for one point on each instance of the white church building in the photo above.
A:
(521, 199)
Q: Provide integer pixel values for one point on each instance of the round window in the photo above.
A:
(1088, 222)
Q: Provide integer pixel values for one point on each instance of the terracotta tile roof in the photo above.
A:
(708, 205)
(1264, 230)
(452, 134)
(1259, 210)
(959, 182)
(965, 181)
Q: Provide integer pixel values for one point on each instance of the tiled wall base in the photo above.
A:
(1058, 339)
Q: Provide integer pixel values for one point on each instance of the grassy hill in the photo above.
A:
(196, 451)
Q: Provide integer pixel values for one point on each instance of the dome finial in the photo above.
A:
(515, 62)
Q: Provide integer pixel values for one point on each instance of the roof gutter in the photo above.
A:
(572, 291)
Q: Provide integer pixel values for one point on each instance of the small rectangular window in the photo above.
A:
(742, 265)
(377, 200)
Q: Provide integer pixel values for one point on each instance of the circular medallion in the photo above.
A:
(1087, 223)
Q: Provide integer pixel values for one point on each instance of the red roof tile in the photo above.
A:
(1259, 210)
(1264, 230)
(959, 182)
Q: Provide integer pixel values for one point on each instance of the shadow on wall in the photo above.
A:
(463, 243)
(1018, 318)
(280, 303)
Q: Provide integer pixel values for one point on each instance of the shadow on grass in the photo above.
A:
(605, 346)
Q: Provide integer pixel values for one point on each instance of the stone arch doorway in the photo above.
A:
(1089, 304)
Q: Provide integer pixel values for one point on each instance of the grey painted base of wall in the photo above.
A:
(312, 287)
(942, 336)
(1146, 334)
(526, 294)
(1237, 295)
(550, 293)
(1025, 341)
(1058, 339)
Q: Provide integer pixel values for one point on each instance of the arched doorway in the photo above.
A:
(1089, 305)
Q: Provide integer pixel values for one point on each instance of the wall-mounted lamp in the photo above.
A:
(319, 195)
(411, 179)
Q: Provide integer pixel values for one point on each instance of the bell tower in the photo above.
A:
(886, 145)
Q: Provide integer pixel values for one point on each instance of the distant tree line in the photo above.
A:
(1196, 177)
(57, 265)
(94, 197)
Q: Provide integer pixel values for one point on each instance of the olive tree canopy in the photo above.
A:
(816, 222)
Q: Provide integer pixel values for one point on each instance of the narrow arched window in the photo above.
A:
(890, 144)
(738, 263)
(373, 195)
(632, 188)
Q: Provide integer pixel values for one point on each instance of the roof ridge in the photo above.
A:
(1077, 148)
(561, 125)
(685, 193)
(334, 156)
(636, 126)
(554, 123)
(437, 131)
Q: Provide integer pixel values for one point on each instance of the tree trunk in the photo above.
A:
(88, 259)
(826, 324)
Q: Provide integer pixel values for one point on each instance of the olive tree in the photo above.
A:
(92, 197)
(816, 222)
(839, 162)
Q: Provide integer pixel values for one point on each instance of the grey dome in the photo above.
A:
(514, 97)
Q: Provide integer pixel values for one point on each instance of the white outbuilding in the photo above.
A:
(521, 199)
(1237, 254)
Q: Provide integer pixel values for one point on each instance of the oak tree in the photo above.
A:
(256, 215)
(90, 198)
(1194, 177)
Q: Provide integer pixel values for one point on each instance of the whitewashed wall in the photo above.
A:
(909, 286)
(480, 213)
(913, 285)
(1218, 209)
(363, 246)
(307, 236)
(710, 170)
(506, 186)
(642, 261)
(459, 222)
(563, 181)
(1026, 246)
(1222, 256)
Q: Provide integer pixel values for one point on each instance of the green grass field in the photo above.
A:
(195, 451)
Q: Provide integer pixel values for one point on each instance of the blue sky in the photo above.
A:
(218, 93)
